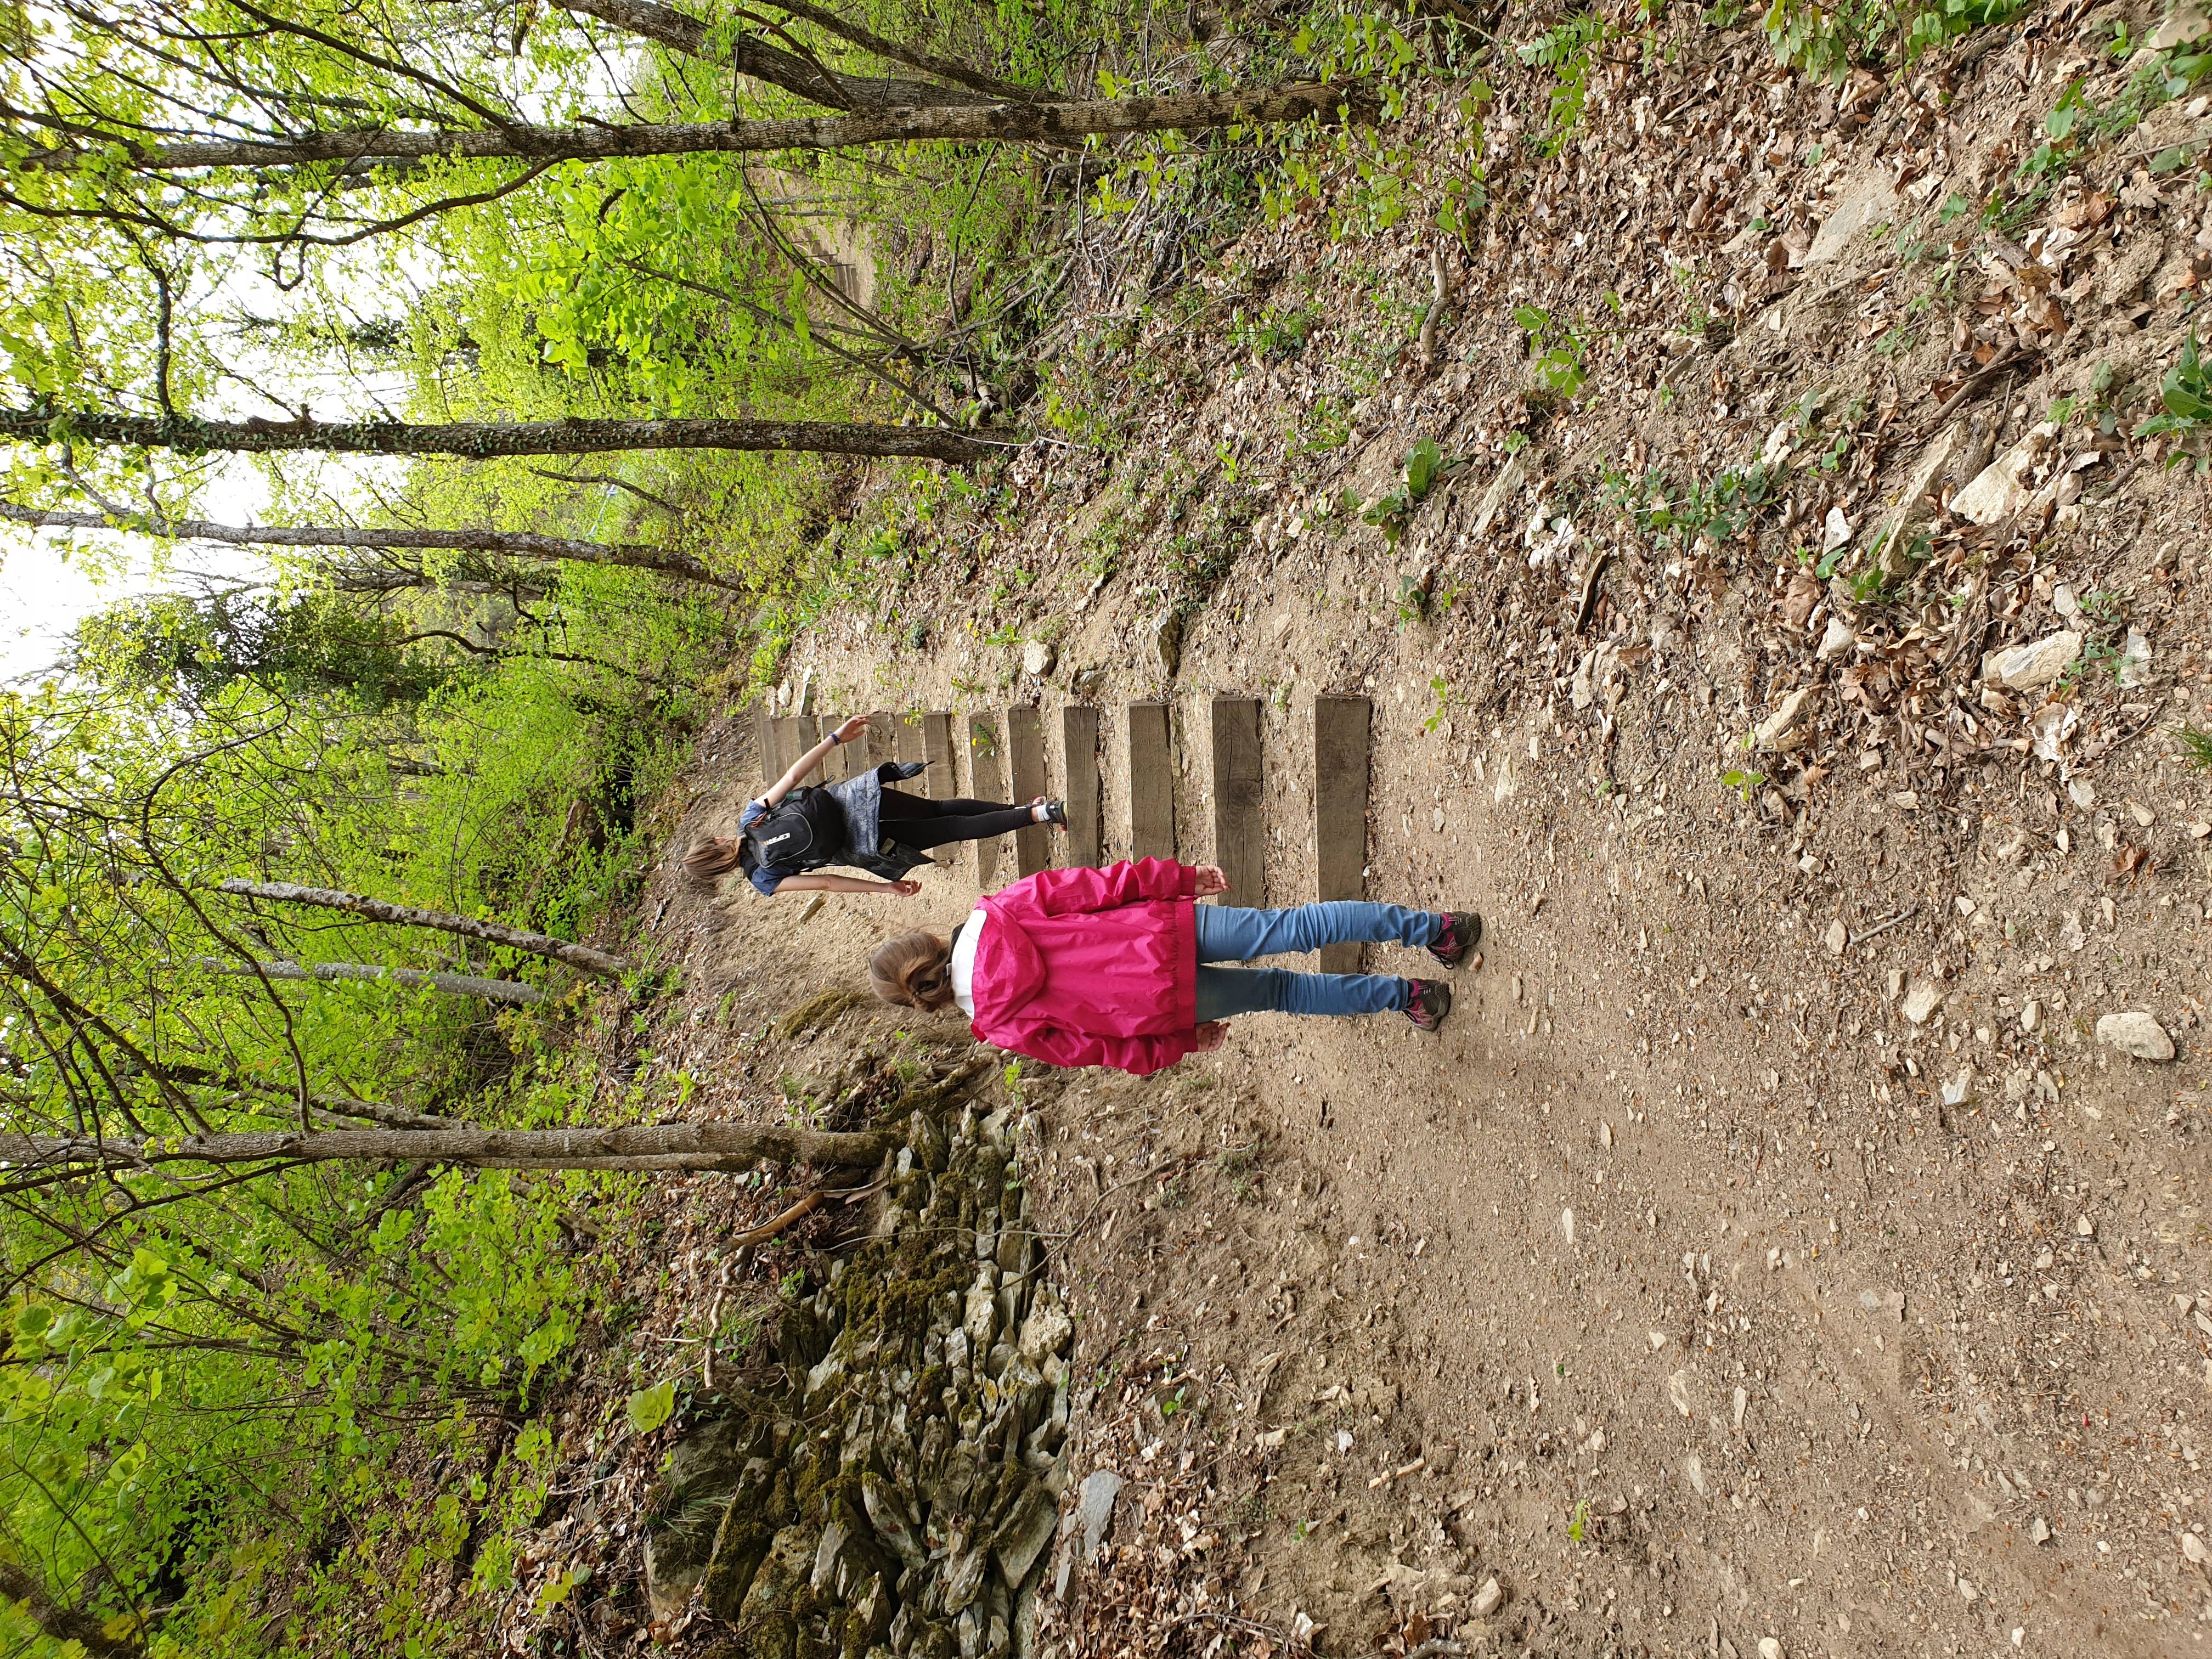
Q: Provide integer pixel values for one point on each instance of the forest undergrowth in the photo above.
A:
(264, 1395)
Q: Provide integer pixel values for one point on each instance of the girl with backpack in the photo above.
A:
(1117, 967)
(793, 830)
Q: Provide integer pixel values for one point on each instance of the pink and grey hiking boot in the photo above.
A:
(1429, 1001)
(1462, 932)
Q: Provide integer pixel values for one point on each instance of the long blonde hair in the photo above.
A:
(716, 856)
(914, 970)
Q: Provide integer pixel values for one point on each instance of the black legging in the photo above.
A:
(924, 824)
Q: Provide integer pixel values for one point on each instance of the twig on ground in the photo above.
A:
(1884, 927)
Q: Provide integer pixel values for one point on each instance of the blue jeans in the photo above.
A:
(1231, 932)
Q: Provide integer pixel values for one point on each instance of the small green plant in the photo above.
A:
(1412, 601)
(1425, 463)
(1575, 1521)
(648, 1408)
(1559, 361)
(1440, 689)
(1272, 335)
(2196, 747)
(2186, 396)
(1667, 511)
(1565, 48)
(1742, 780)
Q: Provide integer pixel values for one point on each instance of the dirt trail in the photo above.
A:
(1768, 1248)
(1816, 1350)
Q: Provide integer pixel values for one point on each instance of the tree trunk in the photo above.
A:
(976, 124)
(477, 440)
(460, 985)
(60, 1622)
(748, 54)
(576, 956)
(512, 543)
(644, 1147)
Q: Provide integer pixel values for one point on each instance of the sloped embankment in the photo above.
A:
(891, 1483)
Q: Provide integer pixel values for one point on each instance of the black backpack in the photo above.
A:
(806, 828)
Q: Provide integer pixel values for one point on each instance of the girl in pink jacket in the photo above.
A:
(1116, 967)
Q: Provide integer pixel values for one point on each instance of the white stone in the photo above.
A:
(1838, 642)
(1567, 1224)
(2135, 660)
(1890, 556)
(2032, 666)
(1678, 1391)
(1865, 202)
(1839, 937)
(1046, 1331)
(1038, 657)
(1783, 728)
(2193, 1547)
(1835, 529)
(1487, 1598)
(2030, 1015)
(2136, 1035)
(1922, 998)
(2000, 489)
(2188, 24)
(1770, 1647)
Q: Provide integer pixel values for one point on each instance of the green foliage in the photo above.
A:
(1742, 779)
(2196, 747)
(1418, 475)
(1391, 180)
(650, 1407)
(1556, 350)
(1827, 41)
(1274, 334)
(308, 643)
(1682, 512)
(2184, 395)
(1565, 48)
(2077, 126)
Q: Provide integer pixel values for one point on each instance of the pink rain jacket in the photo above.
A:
(1091, 967)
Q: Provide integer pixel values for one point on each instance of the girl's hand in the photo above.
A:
(903, 888)
(852, 728)
(1210, 881)
(1210, 1034)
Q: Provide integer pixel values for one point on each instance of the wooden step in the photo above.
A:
(764, 744)
(1239, 840)
(910, 745)
(1151, 783)
(1079, 729)
(795, 735)
(1025, 758)
(845, 760)
(880, 742)
(942, 754)
(986, 778)
(1339, 798)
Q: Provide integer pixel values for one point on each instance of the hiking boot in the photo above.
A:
(1431, 1002)
(1462, 932)
(1056, 811)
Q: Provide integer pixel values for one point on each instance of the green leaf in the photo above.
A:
(648, 1408)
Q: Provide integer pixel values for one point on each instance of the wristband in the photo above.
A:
(833, 737)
